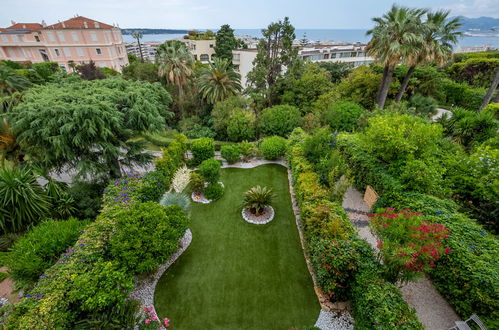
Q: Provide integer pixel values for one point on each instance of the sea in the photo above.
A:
(339, 35)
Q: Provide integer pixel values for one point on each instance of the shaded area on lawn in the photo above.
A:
(237, 275)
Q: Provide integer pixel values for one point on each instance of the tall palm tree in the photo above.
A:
(439, 37)
(393, 38)
(137, 35)
(9, 146)
(175, 63)
(219, 81)
(11, 82)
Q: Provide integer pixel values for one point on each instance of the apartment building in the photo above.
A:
(202, 50)
(346, 53)
(77, 40)
(149, 50)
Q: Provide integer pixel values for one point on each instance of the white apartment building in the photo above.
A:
(346, 53)
(148, 50)
(202, 50)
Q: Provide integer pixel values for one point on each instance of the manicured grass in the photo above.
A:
(237, 275)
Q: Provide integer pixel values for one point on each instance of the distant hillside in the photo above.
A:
(480, 23)
(153, 31)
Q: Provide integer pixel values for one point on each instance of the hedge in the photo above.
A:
(88, 279)
(462, 95)
(468, 277)
(162, 141)
(345, 266)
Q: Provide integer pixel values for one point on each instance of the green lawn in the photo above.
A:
(237, 275)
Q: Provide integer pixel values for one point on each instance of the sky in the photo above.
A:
(242, 14)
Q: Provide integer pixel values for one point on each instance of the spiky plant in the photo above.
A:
(257, 198)
(173, 198)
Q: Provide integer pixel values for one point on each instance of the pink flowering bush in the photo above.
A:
(409, 245)
(151, 320)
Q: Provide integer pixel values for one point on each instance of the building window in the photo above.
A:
(37, 38)
(102, 64)
(326, 56)
(113, 51)
(12, 53)
(74, 35)
(346, 54)
(236, 57)
(333, 55)
(119, 50)
(60, 35)
(5, 38)
(204, 57)
(15, 38)
(51, 36)
(56, 51)
(44, 55)
(93, 36)
(98, 51)
(211, 45)
(195, 57)
(63, 67)
(67, 52)
(79, 51)
(236, 67)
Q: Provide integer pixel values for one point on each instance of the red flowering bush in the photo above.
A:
(410, 245)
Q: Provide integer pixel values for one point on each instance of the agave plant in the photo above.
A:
(173, 198)
(257, 198)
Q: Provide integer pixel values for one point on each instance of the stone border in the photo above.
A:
(202, 199)
(247, 219)
(145, 287)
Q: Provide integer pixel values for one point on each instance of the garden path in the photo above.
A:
(432, 310)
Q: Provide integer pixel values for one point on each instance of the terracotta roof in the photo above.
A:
(25, 26)
(79, 23)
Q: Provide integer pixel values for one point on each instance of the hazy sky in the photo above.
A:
(318, 14)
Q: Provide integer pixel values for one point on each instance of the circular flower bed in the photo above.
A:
(200, 197)
(266, 216)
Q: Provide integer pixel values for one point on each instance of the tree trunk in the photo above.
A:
(405, 83)
(496, 99)
(385, 85)
(490, 92)
(114, 168)
(140, 50)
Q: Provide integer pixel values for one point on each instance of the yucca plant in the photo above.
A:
(22, 200)
(257, 198)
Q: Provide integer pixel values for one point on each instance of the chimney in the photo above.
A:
(63, 25)
(24, 26)
(12, 22)
(97, 25)
(44, 24)
(85, 25)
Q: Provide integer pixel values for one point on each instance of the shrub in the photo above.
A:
(461, 95)
(318, 144)
(40, 248)
(146, 235)
(210, 170)
(202, 149)
(247, 149)
(423, 106)
(222, 111)
(492, 108)
(310, 122)
(257, 199)
(214, 191)
(23, 201)
(279, 120)
(200, 131)
(172, 157)
(174, 198)
(241, 126)
(197, 182)
(134, 187)
(344, 116)
(231, 153)
(273, 147)
(87, 199)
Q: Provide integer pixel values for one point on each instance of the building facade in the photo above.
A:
(149, 50)
(75, 41)
(242, 59)
(202, 50)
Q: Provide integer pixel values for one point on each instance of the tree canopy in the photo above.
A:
(86, 125)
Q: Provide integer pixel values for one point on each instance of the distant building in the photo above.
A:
(473, 49)
(76, 41)
(149, 50)
(202, 50)
(346, 53)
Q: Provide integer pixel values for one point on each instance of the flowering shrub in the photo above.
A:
(150, 320)
(181, 179)
(410, 245)
(135, 187)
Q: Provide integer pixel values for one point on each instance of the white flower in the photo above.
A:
(181, 179)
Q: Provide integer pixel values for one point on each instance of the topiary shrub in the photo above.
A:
(279, 120)
(210, 170)
(214, 191)
(197, 182)
(273, 147)
(231, 153)
(344, 116)
(150, 226)
(40, 248)
(202, 149)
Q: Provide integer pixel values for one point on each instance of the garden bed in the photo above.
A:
(264, 218)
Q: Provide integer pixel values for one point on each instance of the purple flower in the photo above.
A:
(82, 245)
(439, 212)
(482, 234)
(43, 276)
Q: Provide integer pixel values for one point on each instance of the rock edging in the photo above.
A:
(145, 287)
(247, 217)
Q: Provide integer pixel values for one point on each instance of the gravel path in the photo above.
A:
(432, 310)
(440, 113)
(334, 321)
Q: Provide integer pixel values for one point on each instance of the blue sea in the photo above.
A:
(325, 34)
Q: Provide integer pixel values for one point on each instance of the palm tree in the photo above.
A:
(9, 147)
(439, 35)
(393, 38)
(175, 63)
(137, 35)
(219, 81)
(11, 82)
(490, 91)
